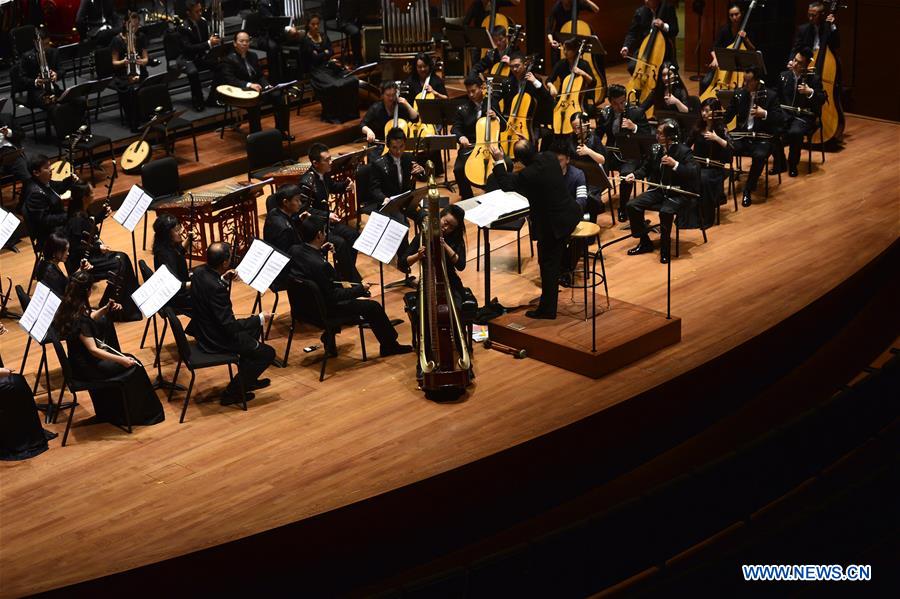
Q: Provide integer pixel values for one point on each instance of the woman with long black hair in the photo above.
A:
(169, 250)
(339, 95)
(710, 139)
(132, 400)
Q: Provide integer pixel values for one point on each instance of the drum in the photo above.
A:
(235, 96)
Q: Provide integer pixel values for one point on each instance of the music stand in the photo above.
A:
(739, 60)
(633, 148)
(592, 41)
(164, 78)
(274, 26)
(361, 70)
(725, 96)
(84, 90)
(478, 37)
(399, 204)
(217, 53)
(344, 159)
(438, 143)
(686, 120)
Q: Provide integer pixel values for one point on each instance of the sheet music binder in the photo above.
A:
(381, 237)
(261, 265)
(39, 315)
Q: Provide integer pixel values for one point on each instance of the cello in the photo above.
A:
(829, 69)
(421, 129)
(650, 57)
(495, 19)
(518, 123)
(568, 102)
(723, 80)
(396, 121)
(500, 68)
(576, 26)
(480, 162)
(443, 351)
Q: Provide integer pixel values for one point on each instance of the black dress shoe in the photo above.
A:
(641, 248)
(747, 199)
(259, 384)
(776, 171)
(329, 345)
(622, 216)
(537, 314)
(287, 137)
(395, 349)
(792, 172)
(232, 397)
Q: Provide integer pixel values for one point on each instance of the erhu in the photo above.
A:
(217, 19)
(134, 71)
(45, 75)
(443, 351)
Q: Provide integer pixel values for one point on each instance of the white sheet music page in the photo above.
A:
(8, 225)
(45, 318)
(34, 307)
(253, 261)
(491, 206)
(393, 236)
(371, 233)
(270, 271)
(156, 291)
(140, 208)
(128, 205)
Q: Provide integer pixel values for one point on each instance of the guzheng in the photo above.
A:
(290, 173)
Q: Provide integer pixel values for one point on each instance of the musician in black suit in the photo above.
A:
(126, 76)
(645, 19)
(819, 30)
(316, 186)
(282, 227)
(499, 53)
(42, 206)
(217, 330)
(11, 138)
(341, 300)
(392, 174)
(196, 41)
(669, 163)
(241, 69)
(464, 128)
(40, 91)
(381, 113)
(757, 111)
(554, 213)
(97, 21)
(619, 119)
(800, 89)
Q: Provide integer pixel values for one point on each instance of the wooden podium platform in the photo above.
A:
(625, 333)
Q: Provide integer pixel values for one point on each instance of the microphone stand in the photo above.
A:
(112, 179)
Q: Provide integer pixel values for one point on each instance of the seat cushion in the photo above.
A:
(202, 359)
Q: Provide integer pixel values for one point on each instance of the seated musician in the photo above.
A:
(757, 112)
(316, 186)
(425, 79)
(800, 89)
(282, 226)
(342, 300)
(126, 75)
(268, 39)
(129, 398)
(464, 128)
(41, 92)
(85, 244)
(196, 42)
(669, 163)
(241, 69)
(339, 95)
(499, 53)
(42, 205)
(621, 118)
(381, 113)
(560, 14)
(97, 21)
(710, 139)
(394, 173)
(564, 67)
(672, 95)
(478, 11)
(817, 30)
(216, 329)
(645, 19)
(576, 182)
(586, 145)
(524, 81)
(11, 143)
(169, 250)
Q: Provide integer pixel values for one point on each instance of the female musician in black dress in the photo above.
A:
(132, 400)
(339, 95)
(169, 250)
(55, 251)
(671, 94)
(126, 76)
(425, 78)
(710, 139)
(85, 244)
(21, 434)
(453, 230)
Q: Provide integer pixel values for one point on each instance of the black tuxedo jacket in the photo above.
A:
(806, 37)
(554, 213)
(384, 183)
(29, 68)
(279, 230)
(789, 96)
(740, 108)
(43, 210)
(234, 72)
(642, 22)
(320, 188)
(608, 118)
(317, 269)
(213, 322)
(467, 116)
(685, 177)
(194, 39)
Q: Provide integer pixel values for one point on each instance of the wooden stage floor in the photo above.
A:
(109, 502)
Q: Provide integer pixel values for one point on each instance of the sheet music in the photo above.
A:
(261, 265)
(133, 208)
(486, 209)
(381, 237)
(40, 312)
(8, 225)
(156, 291)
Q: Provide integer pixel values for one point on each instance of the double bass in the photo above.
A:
(724, 80)
(829, 69)
(650, 57)
(568, 102)
(421, 129)
(576, 26)
(487, 133)
(494, 19)
(500, 68)
(518, 123)
(396, 121)
(443, 351)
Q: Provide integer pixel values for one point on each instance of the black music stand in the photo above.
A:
(84, 90)
(340, 162)
(686, 120)
(361, 70)
(442, 144)
(399, 204)
(164, 78)
(274, 26)
(725, 96)
(633, 148)
(217, 53)
(739, 60)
